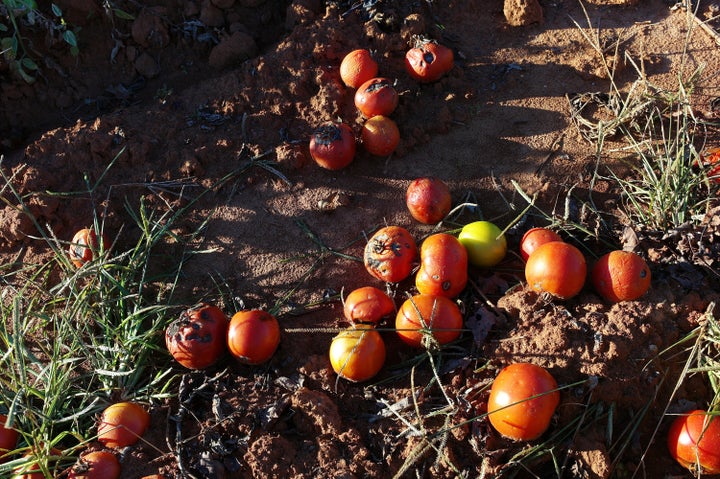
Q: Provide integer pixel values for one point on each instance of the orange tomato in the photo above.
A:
(694, 442)
(8, 439)
(557, 268)
(197, 338)
(367, 305)
(357, 353)
(376, 96)
(620, 276)
(425, 315)
(122, 424)
(534, 238)
(522, 401)
(390, 253)
(357, 67)
(428, 199)
(96, 465)
(253, 336)
(380, 135)
(428, 62)
(711, 160)
(25, 471)
(332, 145)
(443, 266)
(85, 246)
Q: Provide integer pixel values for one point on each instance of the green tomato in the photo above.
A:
(485, 243)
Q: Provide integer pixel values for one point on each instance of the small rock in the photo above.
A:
(146, 65)
(522, 12)
(233, 50)
(149, 29)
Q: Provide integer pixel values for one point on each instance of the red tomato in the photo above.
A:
(357, 353)
(253, 336)
(428, 200)
(710, 159)
(423, 316)
(8, 439)
(534, 238)
(367, 305)
(694, 442)
(380, 136)
(522, 401)
(428, 62)
(96, 465)
(332, 145)
(557, 268)
(390, 253)
(85, 246)
(122, 424)
(357, 67)
(25, 472)
(443, 266)
(197, 338)
(620, 276)
(376, 96)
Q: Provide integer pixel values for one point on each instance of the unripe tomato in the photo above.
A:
(380, 135)
(620, 276)
(8, 438)
(122, 424)
(390, 253)
(86, 246)
(428, 62)
(443, 266)
(357, 67)
(522, 401)
(694, 442)
(197, 338)
(367, 305)
(332, 145)
(96, 465)
(485, 243)
(253, 336)
(428, 200)
(376, 96)
(424, 316)
(357, 353)
(557, 268)
(534, 238)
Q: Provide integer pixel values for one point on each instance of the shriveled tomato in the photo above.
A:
(424, 319)
(694, 442)
(620, 276)
(390, 253)
(522, 401)
(376, 96)
(485, 243)
(367, 305)
(357, 353)
(96, 465)
(86, 246)
(8, 438)
(197, 338)
(253, 336)
(428, 199)
(557, 268)
(357, 67)
(332, 145)
(534, 238)
(122, 424)
(428, 62)
(443, 266)
(380, 135)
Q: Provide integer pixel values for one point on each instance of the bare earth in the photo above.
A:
(210, 119)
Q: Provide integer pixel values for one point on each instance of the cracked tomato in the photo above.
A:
(332, 145)
(253, 336)
(376, 96)
(425, 320)
(390, 253)
(357, 353)
(443, 266)
(197, 338)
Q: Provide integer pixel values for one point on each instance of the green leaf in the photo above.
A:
(23, 73)
(29, 63)
(57, 11)
(123, 14)
(69, 38)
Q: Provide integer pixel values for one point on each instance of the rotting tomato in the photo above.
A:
(8, 438)
(357, 353)
(357, 67)
(428, 62)
(376, 96)
(122, 424)
(428, 199)
(485, 243)
(332, 145)
(443, 266)
(534, 238)
(694, 442)
(96, 465)
(197, 338)
(522, 401)
(380, 135)
(557, 268)
(427, 321)
(620, 276)
(390, 253)
(86, 246)
(253, 336)
(367, 304)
